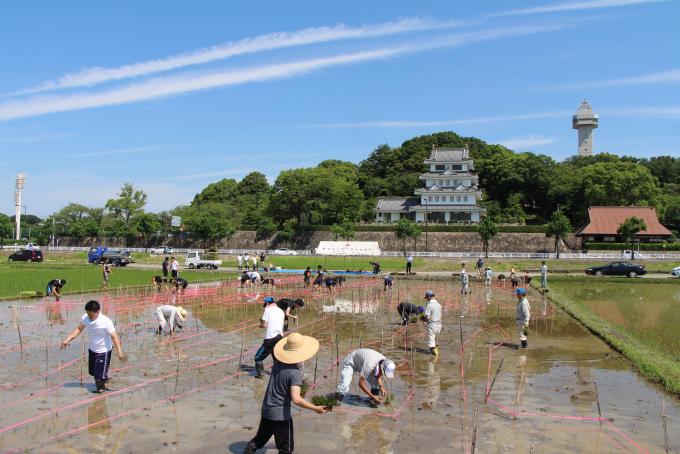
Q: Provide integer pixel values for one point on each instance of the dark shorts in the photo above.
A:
(267, 348)
(98, 364)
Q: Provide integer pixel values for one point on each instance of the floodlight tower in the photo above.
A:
(20, 183)
(585, 121)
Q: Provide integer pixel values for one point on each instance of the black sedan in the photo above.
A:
(617, 269)
(26, 255)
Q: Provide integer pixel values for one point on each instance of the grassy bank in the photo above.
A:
(18, 277)
(622, 328)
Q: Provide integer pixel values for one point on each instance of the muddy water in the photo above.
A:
(188, 393)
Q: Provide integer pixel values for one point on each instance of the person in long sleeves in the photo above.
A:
(488, 274)
(408, 310)
(372, 367)
(288, 305)
(272, 321)
(464, 282)
(522, 315)
(101, 334)
(170, 316)
(433, 318)
(409, 264)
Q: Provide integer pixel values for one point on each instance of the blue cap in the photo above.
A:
(429, 293)
(421, 309)
(521, 291)
(269, 299)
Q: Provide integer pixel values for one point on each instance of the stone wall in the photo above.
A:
(436, 242)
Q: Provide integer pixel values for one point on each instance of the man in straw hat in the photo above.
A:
(282, 390)
(170, 315)
(372, 367)
(272, 321)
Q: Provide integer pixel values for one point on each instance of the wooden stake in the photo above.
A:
(665, 428)
(519, 390)
(597, 396)
(18, 326)
(486, 399)
(474, 432)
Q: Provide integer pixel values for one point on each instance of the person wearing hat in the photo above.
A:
(407, 310)
(170, 315)
(372, 367)
(522, 315)
(387, 282)
(282, 391)
(433, 318)
(288, 305)
(272, 321)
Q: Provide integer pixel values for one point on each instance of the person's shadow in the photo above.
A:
(238, 447)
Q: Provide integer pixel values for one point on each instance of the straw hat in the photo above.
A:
(181, 313)
(295, 348)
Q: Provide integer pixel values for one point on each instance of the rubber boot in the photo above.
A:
(259, 369)
(101, 386)
(524, 344)
(159, 331)
(434, 351)
(251, 448)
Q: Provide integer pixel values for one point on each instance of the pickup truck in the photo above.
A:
(117, 257)
(195, 260)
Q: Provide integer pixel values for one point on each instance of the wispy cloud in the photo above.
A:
(97, 75)
(36, 138)
(660, 77)
(433, 123)
(115, 152)
(573, 6)
(163, 87)
(526, 142)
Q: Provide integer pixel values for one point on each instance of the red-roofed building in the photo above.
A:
(603, 222)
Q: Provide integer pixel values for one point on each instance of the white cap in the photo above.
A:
(388, 368)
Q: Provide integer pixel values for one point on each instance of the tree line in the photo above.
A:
(517, 188)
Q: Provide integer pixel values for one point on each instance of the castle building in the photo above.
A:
(585, 121)
(450, 193)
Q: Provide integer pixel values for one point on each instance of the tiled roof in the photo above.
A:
(606, 220)
(396, 203)
(449, 154)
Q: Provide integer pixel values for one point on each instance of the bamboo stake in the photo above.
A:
(597, 397)
(474, 432)
(519, 389)
(316, 366)
(665, 428)
(17, 324)
(486, 399)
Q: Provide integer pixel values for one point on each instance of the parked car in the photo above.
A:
(162, 250)
(196, 260)
(283, 251)
(675, 271)
(115, 256)
(26, 255)
(627, 254)
(617, 269)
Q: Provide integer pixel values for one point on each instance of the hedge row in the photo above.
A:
(624, 246)
(456, 228)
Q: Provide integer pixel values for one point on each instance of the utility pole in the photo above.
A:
(426, 248)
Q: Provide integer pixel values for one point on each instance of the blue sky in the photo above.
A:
(173, 96)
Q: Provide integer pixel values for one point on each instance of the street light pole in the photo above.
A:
(426, 248)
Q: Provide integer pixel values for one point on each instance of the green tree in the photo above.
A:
(628, 229)
(222, 191)
(264, 231)
(129, 203)
(6, 228)
(487, 230)
(147, 225)
(83, 227)
(209, 227)
(405, 229)
(558, 228)
(345, 229)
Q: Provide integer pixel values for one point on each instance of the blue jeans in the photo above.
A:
(544, 280)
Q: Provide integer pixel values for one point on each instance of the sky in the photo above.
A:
(172, 96)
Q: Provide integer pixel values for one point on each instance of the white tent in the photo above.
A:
(368, 248)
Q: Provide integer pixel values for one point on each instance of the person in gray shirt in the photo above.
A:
(282, 390)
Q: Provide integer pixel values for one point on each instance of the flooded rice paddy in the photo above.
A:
(568, 392)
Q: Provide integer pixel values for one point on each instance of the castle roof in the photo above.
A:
(396, 203)
(449, 154)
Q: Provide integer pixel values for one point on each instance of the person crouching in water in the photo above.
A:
(288, 305)
(158, 282)
(272, 321)
(100, 334)
(522, 315)
(170, 315)
(408, 310)
(54, 287)
(387, 282)
(372, 367)
(283, 390)
(181, 284)
(433, 318)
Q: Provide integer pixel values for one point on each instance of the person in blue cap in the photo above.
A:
(522, 315)
(272, 321)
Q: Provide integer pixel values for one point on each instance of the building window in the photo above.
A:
(457, 167)
(448, 182)
(429, 198)
(436, 198)
(457, 198)
(465, 198)
(441, 182)
(440, 167)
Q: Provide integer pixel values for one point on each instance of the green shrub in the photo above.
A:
(624, 246)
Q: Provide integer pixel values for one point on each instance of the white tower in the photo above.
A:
(585, 121)
(20, 183)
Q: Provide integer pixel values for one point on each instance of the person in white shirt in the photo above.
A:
(433, 319)
(169, 315)
(488, 274)
(409, 264)
(272, 321)
(239, 260)
(246, 259)
(372, 368)
(100, 333)
(464, 282)
(174, 268)
(522, 315)
(544, 275)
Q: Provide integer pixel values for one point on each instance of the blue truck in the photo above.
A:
(115, 256)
